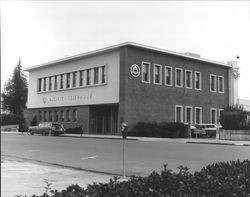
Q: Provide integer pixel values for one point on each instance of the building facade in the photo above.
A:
(128, 82)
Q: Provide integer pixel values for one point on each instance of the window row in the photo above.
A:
(58, 116)
(168, 80)
(181, 79)
(82, 78)
(221, 86)
(185, 114)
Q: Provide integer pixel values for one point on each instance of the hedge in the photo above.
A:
(74, 130)
(9, 119)
(234, 117)
(217, 180)
(161, 130)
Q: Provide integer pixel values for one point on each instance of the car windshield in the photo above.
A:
(210, 126)
(57, 126)
(199, 127)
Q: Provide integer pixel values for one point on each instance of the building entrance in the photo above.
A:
(104, 119)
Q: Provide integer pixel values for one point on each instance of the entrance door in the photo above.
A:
(104, 119)
(100, 124)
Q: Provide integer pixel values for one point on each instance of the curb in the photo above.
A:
(215, 143)
(99, 137)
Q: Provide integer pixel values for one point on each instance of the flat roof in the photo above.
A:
(114, 47)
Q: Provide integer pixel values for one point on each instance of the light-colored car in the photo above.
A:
(208, 130)
(47, 128)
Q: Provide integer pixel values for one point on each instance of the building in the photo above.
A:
(129, 82)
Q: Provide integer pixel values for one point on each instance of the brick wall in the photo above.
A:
(150, 102)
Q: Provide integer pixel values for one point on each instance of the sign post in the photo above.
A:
(123, 161)
(124, 130)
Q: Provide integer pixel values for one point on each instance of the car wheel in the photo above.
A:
(31, 133)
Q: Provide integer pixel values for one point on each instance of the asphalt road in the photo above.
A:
(105, 155)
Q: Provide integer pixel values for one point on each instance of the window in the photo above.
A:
(81, 78)
(74, 115)
(68, 116)
(178, 113)
(39, 85)
(62, 116)
(88, 77)
(189, 115)
(213, 118)
(221, 84)
(56, 116)
(74, 79)
(50, 83)
(188, 79)
(55, 83)
(68, 80)
(212, 83)
(96, 75)
(178, 77)
(40, 116)
(50, 116)
(220, 112)
(168, 76)
(157, 74)
(198, 115)
(61, 81)
(145, 72)
(103, 74)
(197, 79)
(45, 116)
(44, 84)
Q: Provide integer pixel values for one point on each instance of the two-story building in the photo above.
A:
(128, 82)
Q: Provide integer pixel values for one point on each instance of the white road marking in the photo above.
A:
(92, 157)
(33, 151)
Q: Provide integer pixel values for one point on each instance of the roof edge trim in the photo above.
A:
(113, 47)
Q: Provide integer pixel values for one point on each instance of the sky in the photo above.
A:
(42, 31)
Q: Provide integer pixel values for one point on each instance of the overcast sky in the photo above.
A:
(41, 31)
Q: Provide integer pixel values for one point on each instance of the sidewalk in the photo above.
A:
(21, 177)
(175, 140)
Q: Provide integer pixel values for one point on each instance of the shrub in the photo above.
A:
(74, 130)
(233, 117)
(34, 121)
(219, 179)
(9, 119)
(162, 129)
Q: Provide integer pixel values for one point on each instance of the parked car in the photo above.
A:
(207, 130)
(47, 128)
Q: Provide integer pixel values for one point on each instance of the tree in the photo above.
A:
(14, 95)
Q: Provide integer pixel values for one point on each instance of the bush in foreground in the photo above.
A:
(219, 179)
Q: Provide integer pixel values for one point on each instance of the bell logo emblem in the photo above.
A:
(135, 70)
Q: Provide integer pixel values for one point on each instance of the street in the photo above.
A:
(105, 155)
